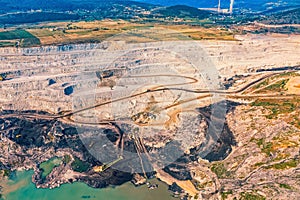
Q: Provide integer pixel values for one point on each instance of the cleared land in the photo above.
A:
(293, 86)
(97, 31)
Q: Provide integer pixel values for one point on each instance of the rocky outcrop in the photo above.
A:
(138, 180)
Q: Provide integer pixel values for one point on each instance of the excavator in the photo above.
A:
(2, 77)
(104, 167)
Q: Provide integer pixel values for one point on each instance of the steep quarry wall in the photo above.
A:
(40, 78)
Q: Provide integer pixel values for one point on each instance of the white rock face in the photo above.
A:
(253, 52)
(42, 78)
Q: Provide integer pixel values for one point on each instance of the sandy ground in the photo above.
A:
(185, 185)
(293, 85)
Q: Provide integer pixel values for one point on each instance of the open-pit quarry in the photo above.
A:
(218, 119)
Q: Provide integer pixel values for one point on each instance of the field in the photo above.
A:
(96, 31)
(18, 37)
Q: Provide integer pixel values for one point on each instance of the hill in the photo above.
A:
(31, 11)
(283, 17)
(182, 11)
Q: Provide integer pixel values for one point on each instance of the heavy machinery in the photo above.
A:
(2, 77)
(104, 167)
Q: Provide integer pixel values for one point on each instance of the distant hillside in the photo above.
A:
(241, 5)
(9, 6)
(193, 3)
(182, 11)
(22, 18)
(57, 5)
(285, 17)
(31, 11)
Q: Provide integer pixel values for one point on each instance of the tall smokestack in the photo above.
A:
(219, 6)
(231, 6)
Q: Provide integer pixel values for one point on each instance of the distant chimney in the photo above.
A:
(231, 6)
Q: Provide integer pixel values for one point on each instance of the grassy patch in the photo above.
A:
(7, 44)
(251, 196)
(259, 164)
(79, 165)
(26, 39)
(285, 165)
(285, 186)
(279, 86)
(278, 107)
(66, 159)
(15, 34)
(225, 194)
(96, 31)
(261, 84)
(220, 170)
(48, 166)
(266, 147)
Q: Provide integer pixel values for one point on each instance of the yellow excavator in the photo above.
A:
(5, 76)
(104, 167)
(2, 77)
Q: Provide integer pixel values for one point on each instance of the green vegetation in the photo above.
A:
(277, 148)
(79, 165)
(48, 166)
(25, 38)
(182, 11)
(7, 44)
(196, 196)
(277, 107)
(66, 159)
(263, 103)
(262, 84)
(220, 170)
(6, 172)
(259, 164)
(286, 17)
(260, 142)
(266, 147)
(251, 196)
(225, 194)
(15, 34)
(285, 186)
(29, 42)
(284, 165)
(279, 86)
(21, 18)
(287, 74)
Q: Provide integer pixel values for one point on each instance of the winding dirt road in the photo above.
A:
(67, 116)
